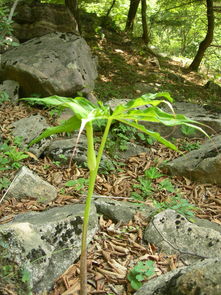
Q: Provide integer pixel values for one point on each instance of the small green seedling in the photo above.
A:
(167, 185)
(145, 187)
(188, 146)
(152, 173)
(85, 113)
(188, 130)
(4, 183)
(11, 156)
(78, 184)
(140, 273)
(4, 97)
(57, 163)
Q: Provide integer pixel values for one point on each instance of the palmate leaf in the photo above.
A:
(79, 105)
(154, 114)
(68, 126)
(146, 99)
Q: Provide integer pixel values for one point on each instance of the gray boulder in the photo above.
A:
(62, 150)
(30, 128)
(34, 19)
(120, 211)
(11, 88)
(202, 278)
(27, 184)
(173, 233)
(203, 165)
(56, 63)
(45, 244)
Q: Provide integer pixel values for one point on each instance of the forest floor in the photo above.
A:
(126, 70)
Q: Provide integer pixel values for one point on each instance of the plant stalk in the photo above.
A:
(93, 174)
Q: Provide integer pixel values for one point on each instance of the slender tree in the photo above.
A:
(208, 39)
(131, 15)
(145, 35)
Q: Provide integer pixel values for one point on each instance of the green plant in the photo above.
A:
(106, 166)
(4, 182)
(4, 97)
(140, 272)
(63, 157)
(78, 184)
(145, 187)
(188, 130)
(144, 138)
(145, 184)
(57, 163)
(55, 112)
(167, 185)
(188, 146)
(178, 204)
(152, 173)
(11, 156)
(15, 157)
(84, 114)
(18, 141)
(4, 163)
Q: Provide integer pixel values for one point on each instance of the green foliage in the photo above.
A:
(10, 155)
(166, 185)
(57, 163)
(4, 183)
(3, 95)
(55, 112)
(106, 166)
(144, 186)
(188, 130)
(152, 173)
(78, 184)
(178, 204)
(190, 146)
(26, 276)
(140, 272)
(118, 13)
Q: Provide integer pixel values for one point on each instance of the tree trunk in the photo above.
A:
(72, 6)
(131, 15)
(145, 36)
(208, 39)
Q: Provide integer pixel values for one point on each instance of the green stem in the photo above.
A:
(92, 179)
